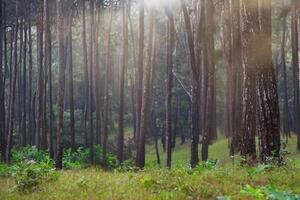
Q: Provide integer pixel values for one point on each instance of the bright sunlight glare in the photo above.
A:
(151, 3)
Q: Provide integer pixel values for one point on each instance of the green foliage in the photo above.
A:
(29, 153)
(75, 160)
(248, 190)
(259, 169)
(112, 161)
(274, 194)
(126, 166)
(147, 181)
(268, 192)
(207, 165)
(221, 180)
(28, 176)
(5, 170)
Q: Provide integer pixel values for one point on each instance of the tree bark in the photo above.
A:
(91, 92)
(61, 84)
(196, 88)
(2, 82)
(12, 87)
(107, 88)
(139, 74)
(39, 136)
(122, 78)
(48, 63)
(71, 87)
(250, 26)
(86, 73)
(171, 40)
(295, 62)
(140, 160)
(269, 119)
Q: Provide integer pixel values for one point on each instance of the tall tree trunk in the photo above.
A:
(71, 87)
(107, 88)
(12, 87)
(237, 80)
(295, 62)
(86, 73)
(209, 130)
(61, 84)
(250, 26)
(140, 162)
(30, 105)
(19, 92)
(171, 41)
(286, 121)
(24, 85)
(196, 88)
(91, 93)
(48, 63)
(39, 137)
(269, 121)
(2, 84)
(98, 82)
(139, 75)
(122, 78)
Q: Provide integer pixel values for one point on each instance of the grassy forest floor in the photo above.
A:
(225, 180)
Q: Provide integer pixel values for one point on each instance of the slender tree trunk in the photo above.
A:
(48, 63)
(19, 91)
(122, 78)
(71, 87)
(209, 131)
(107, 89)
(91, 68)
(295, 62)
(98, 89)
(139, 75)
(61, 84)
(286, 125)
(2, 85)
(30, 105)
(13, 88)
(24, 85)
(86, 73)
(196, 88)
(39, 137)
(140, 162)
(171, 40)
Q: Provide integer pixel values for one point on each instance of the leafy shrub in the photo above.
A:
(29, 153)
(75, 160)
(126, 166)
(207, 165)
(248, 190)
(5, 170)
(28, 176)
(274, 194)
(268, 192)
(259, 169)
(112, 161)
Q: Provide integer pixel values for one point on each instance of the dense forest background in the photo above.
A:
(114, 76)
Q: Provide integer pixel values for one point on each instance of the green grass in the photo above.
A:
(159, 183)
